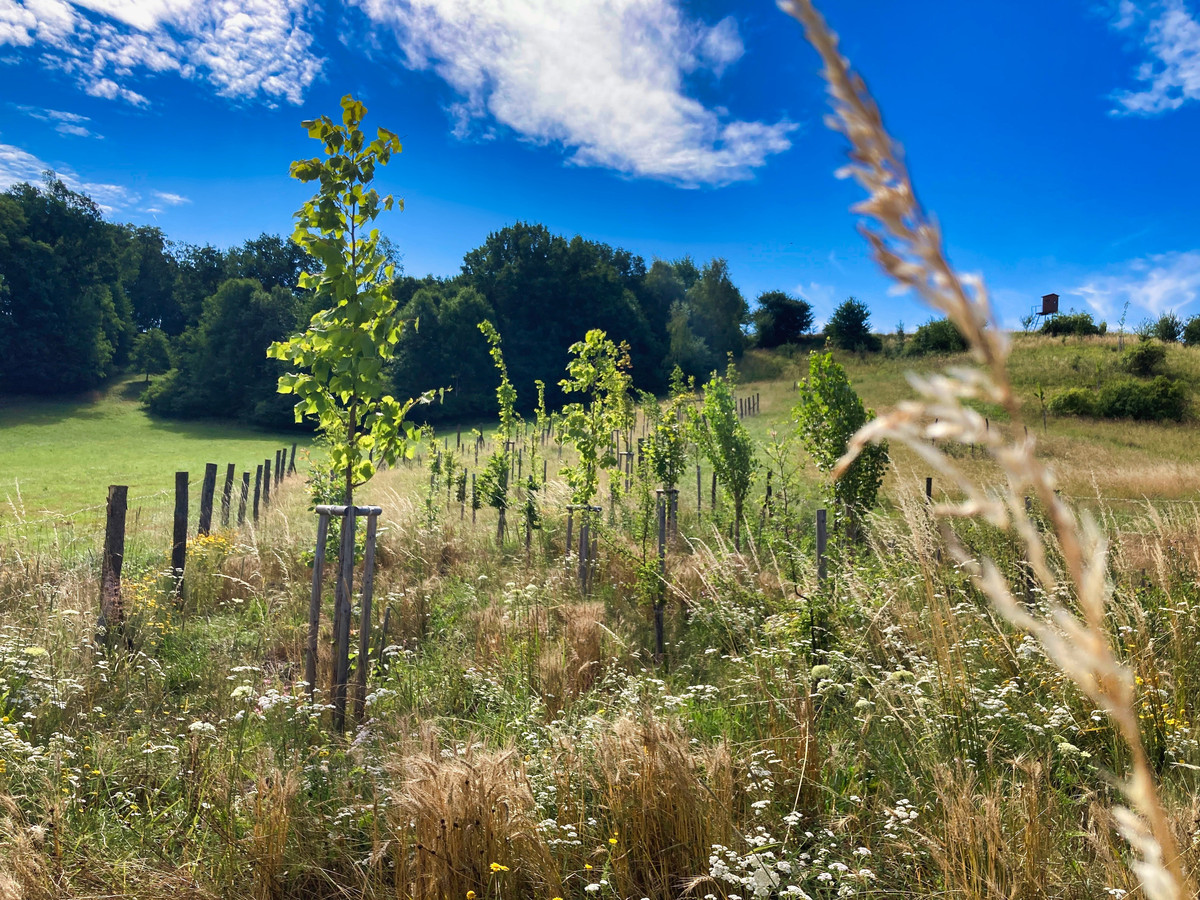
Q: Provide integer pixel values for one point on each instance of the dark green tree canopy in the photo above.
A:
(781, 319)
(849, 328)
(65, 320)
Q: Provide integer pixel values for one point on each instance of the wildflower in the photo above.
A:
(470, 895)
(496, 867)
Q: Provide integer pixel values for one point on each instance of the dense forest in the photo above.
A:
(83, 299)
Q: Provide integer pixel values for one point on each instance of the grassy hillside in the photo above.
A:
(1116, 460)
(58, 456)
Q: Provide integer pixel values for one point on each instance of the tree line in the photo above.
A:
(83, 299)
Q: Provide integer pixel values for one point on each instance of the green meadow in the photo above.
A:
(57, 457)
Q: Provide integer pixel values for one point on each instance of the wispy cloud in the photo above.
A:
(1168, 33)
(17, 165)
(64, 122)
(246, 49)
(171, 199)
(603, 79)
(1153, 284)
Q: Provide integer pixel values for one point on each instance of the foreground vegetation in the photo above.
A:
(882, 734)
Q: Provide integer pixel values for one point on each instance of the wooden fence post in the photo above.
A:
(822, 543)
(660, 595)
(227, 494)
(292, 462)
(257, 490)
(314, 605)
(242, 499)
(179, 531)
(341, 619)
(266, 484)
(112, 609)
(207, 489)
(364, 619)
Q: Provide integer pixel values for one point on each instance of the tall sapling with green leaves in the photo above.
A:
(827, 416)
(726, 443)
(340, 361)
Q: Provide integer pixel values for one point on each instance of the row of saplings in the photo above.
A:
(1145, 392)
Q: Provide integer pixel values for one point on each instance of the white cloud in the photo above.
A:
(171, 199)
(64, 122)
(244, 48)
(110, 90)
(1169, 33)
(17, 165)
(1153, 284)
(605, 79)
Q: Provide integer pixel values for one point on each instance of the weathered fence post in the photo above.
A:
(242, 499)
(660, 595)
(822, 543)
(227, 494)
(364, 619)
(257, 489)
(314, 604)
(583, 550)
(341, 619)
(929, 489)
(179, 531)
(266, 483)
(207, 489)
(292, 461)
(112, 609)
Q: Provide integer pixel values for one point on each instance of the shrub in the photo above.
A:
(936, 336)
(1145, 358)
(1191, 332)
(1074, 402)
(1163, 399)
(1072, 323)
(1168, 328)
(850, 328)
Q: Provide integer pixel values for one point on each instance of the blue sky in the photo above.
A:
(1055, 142)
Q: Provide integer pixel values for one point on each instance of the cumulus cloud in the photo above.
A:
(17, 165)
(1168, 33)
(605, 79)
(245, 48)
(1155, 284)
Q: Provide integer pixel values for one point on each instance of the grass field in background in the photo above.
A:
(59, 456)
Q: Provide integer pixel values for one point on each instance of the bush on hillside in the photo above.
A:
(1168, 328)
(1145, 358)
(1161, 400)
(935, 336)
(1072, 323)
(1191, 332)
(849, 328)
(1073, 402)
